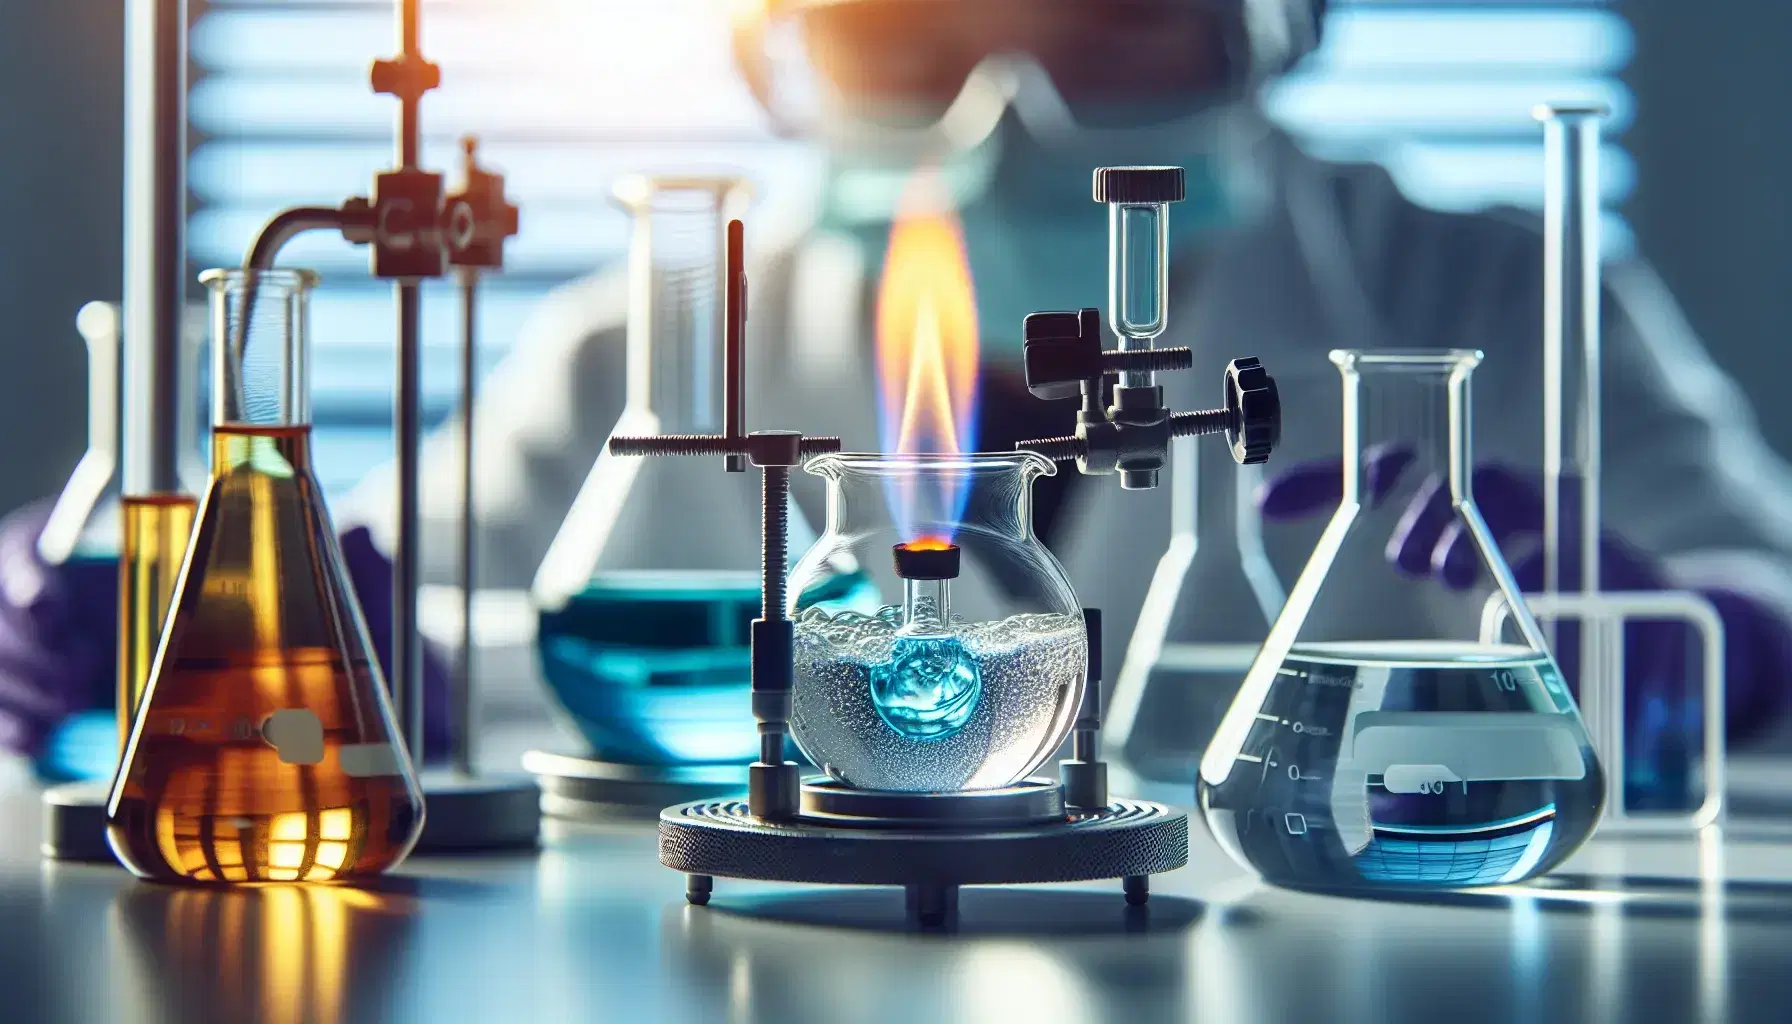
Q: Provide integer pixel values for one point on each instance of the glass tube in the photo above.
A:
(1138, 276)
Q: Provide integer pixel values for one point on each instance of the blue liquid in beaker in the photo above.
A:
(652, 667)
(929, 687)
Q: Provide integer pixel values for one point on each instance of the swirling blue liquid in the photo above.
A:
(928, 689)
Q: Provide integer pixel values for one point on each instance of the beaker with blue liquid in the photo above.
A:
(646, 593)
(1389, 734)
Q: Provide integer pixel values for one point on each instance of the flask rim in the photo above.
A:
(279, 277)
(830, 463)
(1412, 360)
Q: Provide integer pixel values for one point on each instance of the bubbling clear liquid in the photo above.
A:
(976, 707)
(1408, 765)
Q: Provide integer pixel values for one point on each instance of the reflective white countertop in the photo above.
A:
(592, 928)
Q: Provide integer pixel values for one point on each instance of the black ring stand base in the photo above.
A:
(1129, 840)
(582, 788)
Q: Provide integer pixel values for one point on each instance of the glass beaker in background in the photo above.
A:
(1189, 651)
(647, 591)
(264, 748)
(1381, 739)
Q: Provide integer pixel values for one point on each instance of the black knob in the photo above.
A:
(1138, 185)
(1061, 351)
(1255, 408)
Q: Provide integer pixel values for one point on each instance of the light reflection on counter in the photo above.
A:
(1035, 954)
(277, 953)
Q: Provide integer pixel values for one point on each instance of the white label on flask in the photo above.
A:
(296, 734)
(364, 760)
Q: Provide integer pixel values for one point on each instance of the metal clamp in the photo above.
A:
(1131, 436)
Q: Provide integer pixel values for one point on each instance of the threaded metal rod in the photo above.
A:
(1147, 360)
(1196, 424)
(777, 540)
(706, 444)
(1057, 449)
(672, 444)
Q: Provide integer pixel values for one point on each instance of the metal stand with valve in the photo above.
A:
(417, 230)
(820, 831)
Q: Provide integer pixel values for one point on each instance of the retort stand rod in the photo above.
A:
(155, 241)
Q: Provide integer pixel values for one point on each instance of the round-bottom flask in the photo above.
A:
(917, 677)
(1391, 734)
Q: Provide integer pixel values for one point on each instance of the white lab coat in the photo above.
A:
(1339, 260)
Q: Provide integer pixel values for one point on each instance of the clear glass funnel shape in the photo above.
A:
(933, 685)
(648, 592)
(1380, 739)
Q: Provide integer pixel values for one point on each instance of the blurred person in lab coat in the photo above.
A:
(1274, 254)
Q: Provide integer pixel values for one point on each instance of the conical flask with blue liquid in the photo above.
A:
(646, 595)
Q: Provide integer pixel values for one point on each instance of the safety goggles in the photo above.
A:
(916, 64)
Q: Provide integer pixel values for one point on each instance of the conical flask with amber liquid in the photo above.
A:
(264, 748)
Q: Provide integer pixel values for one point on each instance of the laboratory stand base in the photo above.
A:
(461, 814)
(75, 822)
(469, 813)
(588, 789)
(1129, 840)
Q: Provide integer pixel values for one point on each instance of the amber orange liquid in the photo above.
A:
(156, 532)
(265, 749)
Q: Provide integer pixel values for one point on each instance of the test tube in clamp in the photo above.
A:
(773, 784)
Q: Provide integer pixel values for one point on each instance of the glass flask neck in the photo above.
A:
(261, 348)
(1408, 409)
(926, 606)
(677, 368)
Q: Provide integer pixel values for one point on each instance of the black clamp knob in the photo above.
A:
(1256, 410)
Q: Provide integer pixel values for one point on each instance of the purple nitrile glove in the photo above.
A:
(1430, 541)
(58, 634)
(59, 648)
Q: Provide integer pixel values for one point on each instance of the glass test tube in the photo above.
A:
(1138, 201)
(1138, 276)
(1571, 403)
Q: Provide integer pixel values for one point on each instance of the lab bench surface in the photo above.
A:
(591, 928)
